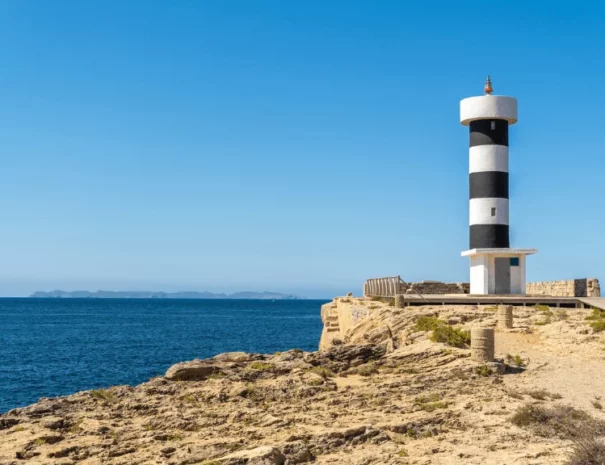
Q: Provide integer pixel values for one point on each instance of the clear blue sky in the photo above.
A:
(297, 146)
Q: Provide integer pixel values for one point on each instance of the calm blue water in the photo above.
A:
(52, 347)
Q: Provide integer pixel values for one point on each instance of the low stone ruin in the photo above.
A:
(585, 287)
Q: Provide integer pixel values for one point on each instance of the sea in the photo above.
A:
(55, 347)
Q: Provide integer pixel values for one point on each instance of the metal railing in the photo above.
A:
(384, 287)
(387, 287)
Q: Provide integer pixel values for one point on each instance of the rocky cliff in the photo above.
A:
(383, 390)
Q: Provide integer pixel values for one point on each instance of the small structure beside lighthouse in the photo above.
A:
(495, 267)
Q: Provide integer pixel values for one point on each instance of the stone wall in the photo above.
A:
(586, 287)
(437, 287)
(390, 287)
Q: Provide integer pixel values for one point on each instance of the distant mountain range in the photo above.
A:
(163, 295)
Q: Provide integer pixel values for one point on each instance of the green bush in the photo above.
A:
(484, 371)
(598, 326)
(430, 403)
(189, 399)
(428, 323)
(596, 314)
(516, 360)
(260, 366)
(454, 337)
(597, 320)
(432, 406)
(443, 332)
(428, 398)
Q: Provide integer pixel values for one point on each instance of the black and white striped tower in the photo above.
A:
(495, 267)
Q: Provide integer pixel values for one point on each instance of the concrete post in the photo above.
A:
(505, 316)
(399, 300)
(482, 344)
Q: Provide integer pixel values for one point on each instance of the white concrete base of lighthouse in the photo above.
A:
(498, 271)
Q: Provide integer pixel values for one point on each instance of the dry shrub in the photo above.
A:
(367, 370)
(323, 372)
(539, 394)
(587, 450)
(104, 395)
(559, 421)
(514, 395)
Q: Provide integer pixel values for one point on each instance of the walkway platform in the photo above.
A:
(517, 300)
(596, 302)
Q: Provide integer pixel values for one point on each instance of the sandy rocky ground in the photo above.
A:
(386, 395)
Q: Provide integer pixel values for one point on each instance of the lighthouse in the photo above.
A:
(495, 267)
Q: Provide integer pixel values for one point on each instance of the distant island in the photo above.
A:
(162, 295)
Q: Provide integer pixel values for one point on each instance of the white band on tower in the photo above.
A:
(488, 158)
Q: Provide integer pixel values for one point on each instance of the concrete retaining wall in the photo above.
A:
(586, 287)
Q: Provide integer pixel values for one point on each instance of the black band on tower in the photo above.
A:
(485, 184)
(488, 132)
(489, 236)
